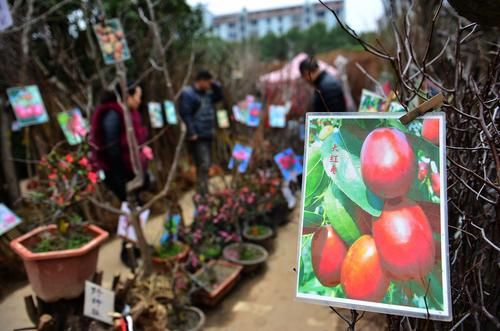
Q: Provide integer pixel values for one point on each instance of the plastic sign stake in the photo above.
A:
(99, 303)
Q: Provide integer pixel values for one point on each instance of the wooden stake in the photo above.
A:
(31, 309)
(434, 102)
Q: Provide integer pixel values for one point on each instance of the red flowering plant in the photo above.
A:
(64, 181)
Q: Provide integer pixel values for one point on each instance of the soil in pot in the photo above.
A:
(247, 254)
(169, 251)
(259, 234)
(188, 319)
(215, 280)
(211, 251)
(52, 241)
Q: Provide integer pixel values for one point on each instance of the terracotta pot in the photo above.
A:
(60, 274)
(212, 296)
(165, 264)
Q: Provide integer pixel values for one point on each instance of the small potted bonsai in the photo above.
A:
(171, 249)
(258, 234)
(60, 256)
(249, 255)
(214, 280)
(162, 301)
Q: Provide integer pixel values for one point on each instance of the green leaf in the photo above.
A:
(337, 207)
(316, 179)
(429, 149)
(312, 221)
(347, 142)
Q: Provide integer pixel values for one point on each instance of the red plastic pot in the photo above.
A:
(162, 265)
(60, 274)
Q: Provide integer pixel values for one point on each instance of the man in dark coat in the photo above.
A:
(328, 94)
(197, 109)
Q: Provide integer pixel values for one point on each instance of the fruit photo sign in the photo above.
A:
(240, 157)
(8, 220)
(5, 16)
(371, 102)
(288, 163)
(170, 112)
(112, 41)
(373, 232)
(155, 115)
(28, 105)
(73, 125)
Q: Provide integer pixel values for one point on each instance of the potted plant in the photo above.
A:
(60, 256)
(162, 301)
(171, 249)
(248, 255)
(214, 280)
(258, 234)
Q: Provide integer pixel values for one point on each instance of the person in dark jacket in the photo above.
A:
(197, 110)
(109, 144)
(328, 94)
(110, 147)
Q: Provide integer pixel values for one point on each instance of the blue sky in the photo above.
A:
(361, 14)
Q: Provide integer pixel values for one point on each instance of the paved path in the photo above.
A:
(262, 302)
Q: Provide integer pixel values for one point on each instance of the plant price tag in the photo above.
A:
(99, 303)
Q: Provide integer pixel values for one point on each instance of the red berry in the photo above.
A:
(388, 164)
(362, 276)
(404, 240)
(430, 130)
(423, 170)
(328, 252)
(436, 183)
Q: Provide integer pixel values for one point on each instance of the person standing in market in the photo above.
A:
(109, 143)
(328, 94)
(197, 110)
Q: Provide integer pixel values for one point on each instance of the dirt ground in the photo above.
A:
(264, 301)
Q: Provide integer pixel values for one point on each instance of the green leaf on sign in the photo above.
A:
(316, 179)
(337, 209)
(345, 147)
(312, 221)
(422, 191)
(428, 149)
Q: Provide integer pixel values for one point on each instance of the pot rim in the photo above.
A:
(260, 260)
(258, 237)
(200, 313)
(185, 251)
(27, 255)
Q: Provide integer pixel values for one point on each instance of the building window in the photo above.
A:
(320, 14)
(268, 20)
(253, 22)
(279, 18)
(231, 25)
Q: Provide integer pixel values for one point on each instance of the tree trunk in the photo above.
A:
(8, 167)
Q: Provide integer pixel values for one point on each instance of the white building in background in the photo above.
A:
(248, 24)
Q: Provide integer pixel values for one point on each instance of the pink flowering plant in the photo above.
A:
(64, 181)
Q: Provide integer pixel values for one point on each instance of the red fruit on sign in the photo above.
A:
(430, 130)
(388, 164)
(404, 240)
(362, 276)
(328, 252)
(436, 183)
(423, 170)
